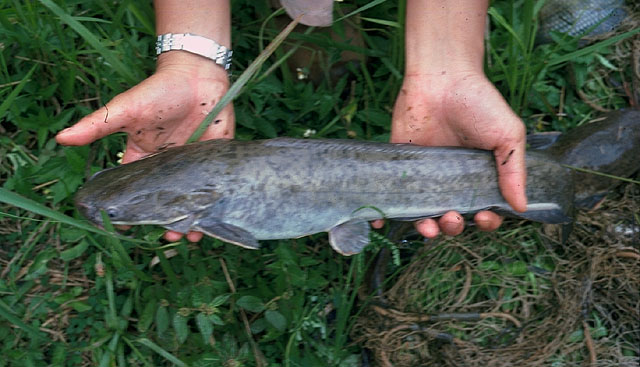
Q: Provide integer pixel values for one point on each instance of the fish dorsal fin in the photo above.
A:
(349, 238)
(226, 232)
(369, 147)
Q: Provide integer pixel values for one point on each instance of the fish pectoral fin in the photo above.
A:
(350, 238)
(542, 141)
(226, 232)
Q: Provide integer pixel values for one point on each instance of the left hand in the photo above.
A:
(463, 109)
(162, 111)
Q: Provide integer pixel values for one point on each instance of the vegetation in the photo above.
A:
(71, 294)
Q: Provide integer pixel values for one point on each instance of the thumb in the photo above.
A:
(512, 174)
(100, 123)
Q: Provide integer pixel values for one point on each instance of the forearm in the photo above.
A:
(207, 18)
(444, 35)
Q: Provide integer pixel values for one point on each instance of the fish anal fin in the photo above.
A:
(226, 232)
(350, 238)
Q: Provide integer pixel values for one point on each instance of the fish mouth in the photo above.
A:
(150, 221)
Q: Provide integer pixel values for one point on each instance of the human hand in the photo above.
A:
(162, 111)
(463, 109)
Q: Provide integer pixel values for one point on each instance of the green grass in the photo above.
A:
(71, 294)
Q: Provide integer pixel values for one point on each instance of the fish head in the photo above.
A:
(130, 197)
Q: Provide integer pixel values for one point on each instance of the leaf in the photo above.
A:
(7, 313)
(80, 306)
(162, 320)
(204, 326)
(276, 319)
(219, 300)
(258, 326)
(147, 316)
(251, 303)
(59, 355)
(216, 319)
(181, 328)
(39, 265)
(265, 128)
(75, 251)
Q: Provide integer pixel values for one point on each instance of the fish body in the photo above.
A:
(244, 191)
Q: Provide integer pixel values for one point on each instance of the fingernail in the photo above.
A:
(63, 132)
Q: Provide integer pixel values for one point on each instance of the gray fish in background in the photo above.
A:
(575, 17)
(610, 145)
(245, 191)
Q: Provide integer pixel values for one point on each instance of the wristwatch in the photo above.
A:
(195, 44)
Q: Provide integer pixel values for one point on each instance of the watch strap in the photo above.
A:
(195, 44)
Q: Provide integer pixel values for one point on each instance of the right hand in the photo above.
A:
(162, 111)
(463, 109)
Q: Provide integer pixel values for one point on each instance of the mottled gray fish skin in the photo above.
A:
(243, 191)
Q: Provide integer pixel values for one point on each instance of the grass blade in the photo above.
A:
(14, 93)
(84, 32)
(156, 348)
(243, 79)
(505, 24)
(361, 9)
(585, 170)
(16, 200)
(593, 48)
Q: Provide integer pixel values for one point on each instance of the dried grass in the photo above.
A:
(585, 311)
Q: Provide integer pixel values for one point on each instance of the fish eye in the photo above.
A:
(111, 212)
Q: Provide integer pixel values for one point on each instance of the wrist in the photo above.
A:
(441, 84)
(191, 64)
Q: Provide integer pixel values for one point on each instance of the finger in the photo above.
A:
(173, 236)
(451, 223)
(428, 228)
(194, 236)
(98, 124)
(377, 224)
(487, 221)
(512, 174)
